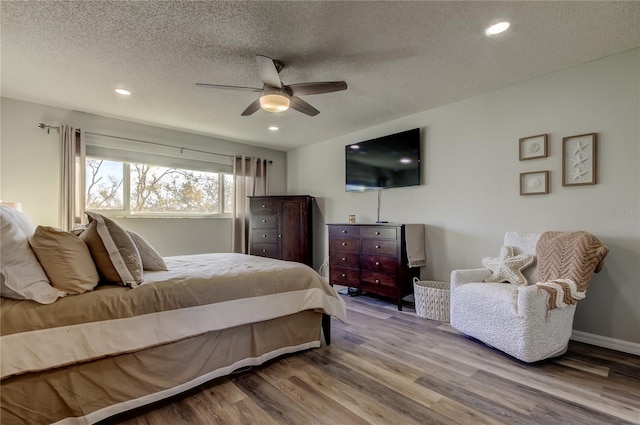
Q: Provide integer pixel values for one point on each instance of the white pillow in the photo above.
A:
(21, 275)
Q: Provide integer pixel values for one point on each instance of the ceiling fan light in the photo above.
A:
(274, 103)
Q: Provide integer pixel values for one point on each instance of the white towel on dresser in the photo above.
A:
(414, 234)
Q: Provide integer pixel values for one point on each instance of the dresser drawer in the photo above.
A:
(264, 222)
(263, 206)
(379, 263)
(378, 279)
(377, 232)
(265, 250)
(345, 244)
(345, 277)
(344, 231)
(264, 236)
(375, 246)
(344, 259)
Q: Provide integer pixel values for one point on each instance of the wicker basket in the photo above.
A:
(432, 299)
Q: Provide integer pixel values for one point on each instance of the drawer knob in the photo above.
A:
(377, 263)
(264, 250)
(344, 258)
(279, 236)
(344, 231)
(377, 246)
(264, 206)
(377, 280)
(344, 244)
(344, 275)
(264, 221)
(377, 233)
(264, 236)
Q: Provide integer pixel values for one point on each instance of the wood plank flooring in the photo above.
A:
(391, 367)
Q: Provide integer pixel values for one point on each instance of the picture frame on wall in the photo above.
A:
(534, 183)
(580, 159)
(533, 147)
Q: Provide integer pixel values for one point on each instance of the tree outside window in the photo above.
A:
(152, 189)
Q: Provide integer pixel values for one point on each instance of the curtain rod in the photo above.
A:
(50, 127)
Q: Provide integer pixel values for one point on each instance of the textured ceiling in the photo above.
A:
(397, 57)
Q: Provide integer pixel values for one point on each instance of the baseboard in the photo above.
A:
(606, 342)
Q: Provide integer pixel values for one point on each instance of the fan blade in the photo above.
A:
(302, 106)
(218, 86)
(304, 89)
(255, 105)
(268, 72)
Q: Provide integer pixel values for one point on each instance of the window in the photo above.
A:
(137, 188)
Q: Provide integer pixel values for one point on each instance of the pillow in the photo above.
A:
(151, 259)
(21, 276)
(114, 253)
(508, 267)
(66, 260)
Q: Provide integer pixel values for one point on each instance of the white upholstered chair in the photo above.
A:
(513, 319)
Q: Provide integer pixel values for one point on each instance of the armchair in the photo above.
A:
(518, 319)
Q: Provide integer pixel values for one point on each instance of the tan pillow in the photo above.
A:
(114, 252)
(151, 259)
(65, 259)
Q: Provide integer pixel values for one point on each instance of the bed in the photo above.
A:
(84, 358)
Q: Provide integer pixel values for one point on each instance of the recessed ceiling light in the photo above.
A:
(274, 128)
(123, 92)
(497, 28)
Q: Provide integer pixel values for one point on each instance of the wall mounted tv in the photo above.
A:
(385, 162)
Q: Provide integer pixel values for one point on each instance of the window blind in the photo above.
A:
(115, 148)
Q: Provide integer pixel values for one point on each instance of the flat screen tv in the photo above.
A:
(385, 162)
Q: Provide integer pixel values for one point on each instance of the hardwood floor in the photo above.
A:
(391, 367)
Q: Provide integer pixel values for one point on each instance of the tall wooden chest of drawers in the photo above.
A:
(371, 257)
(280, 227)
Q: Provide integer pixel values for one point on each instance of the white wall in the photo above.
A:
(29, 172)
(470, 192)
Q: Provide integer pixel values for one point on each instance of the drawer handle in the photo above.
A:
(344, 275)
(264, 250)
(377, 233)
(344, 231)
(264, 221)
(344, 259)
(377, 263)
(377, 246)
(377, 280)
(344, 244)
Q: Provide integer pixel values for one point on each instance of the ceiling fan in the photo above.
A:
(277, 97)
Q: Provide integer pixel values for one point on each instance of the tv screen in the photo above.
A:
(385, 162)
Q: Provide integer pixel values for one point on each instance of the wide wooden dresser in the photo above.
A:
(280, 227)
(372, 258)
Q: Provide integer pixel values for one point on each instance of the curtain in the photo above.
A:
(72, 170)
(250, 179)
